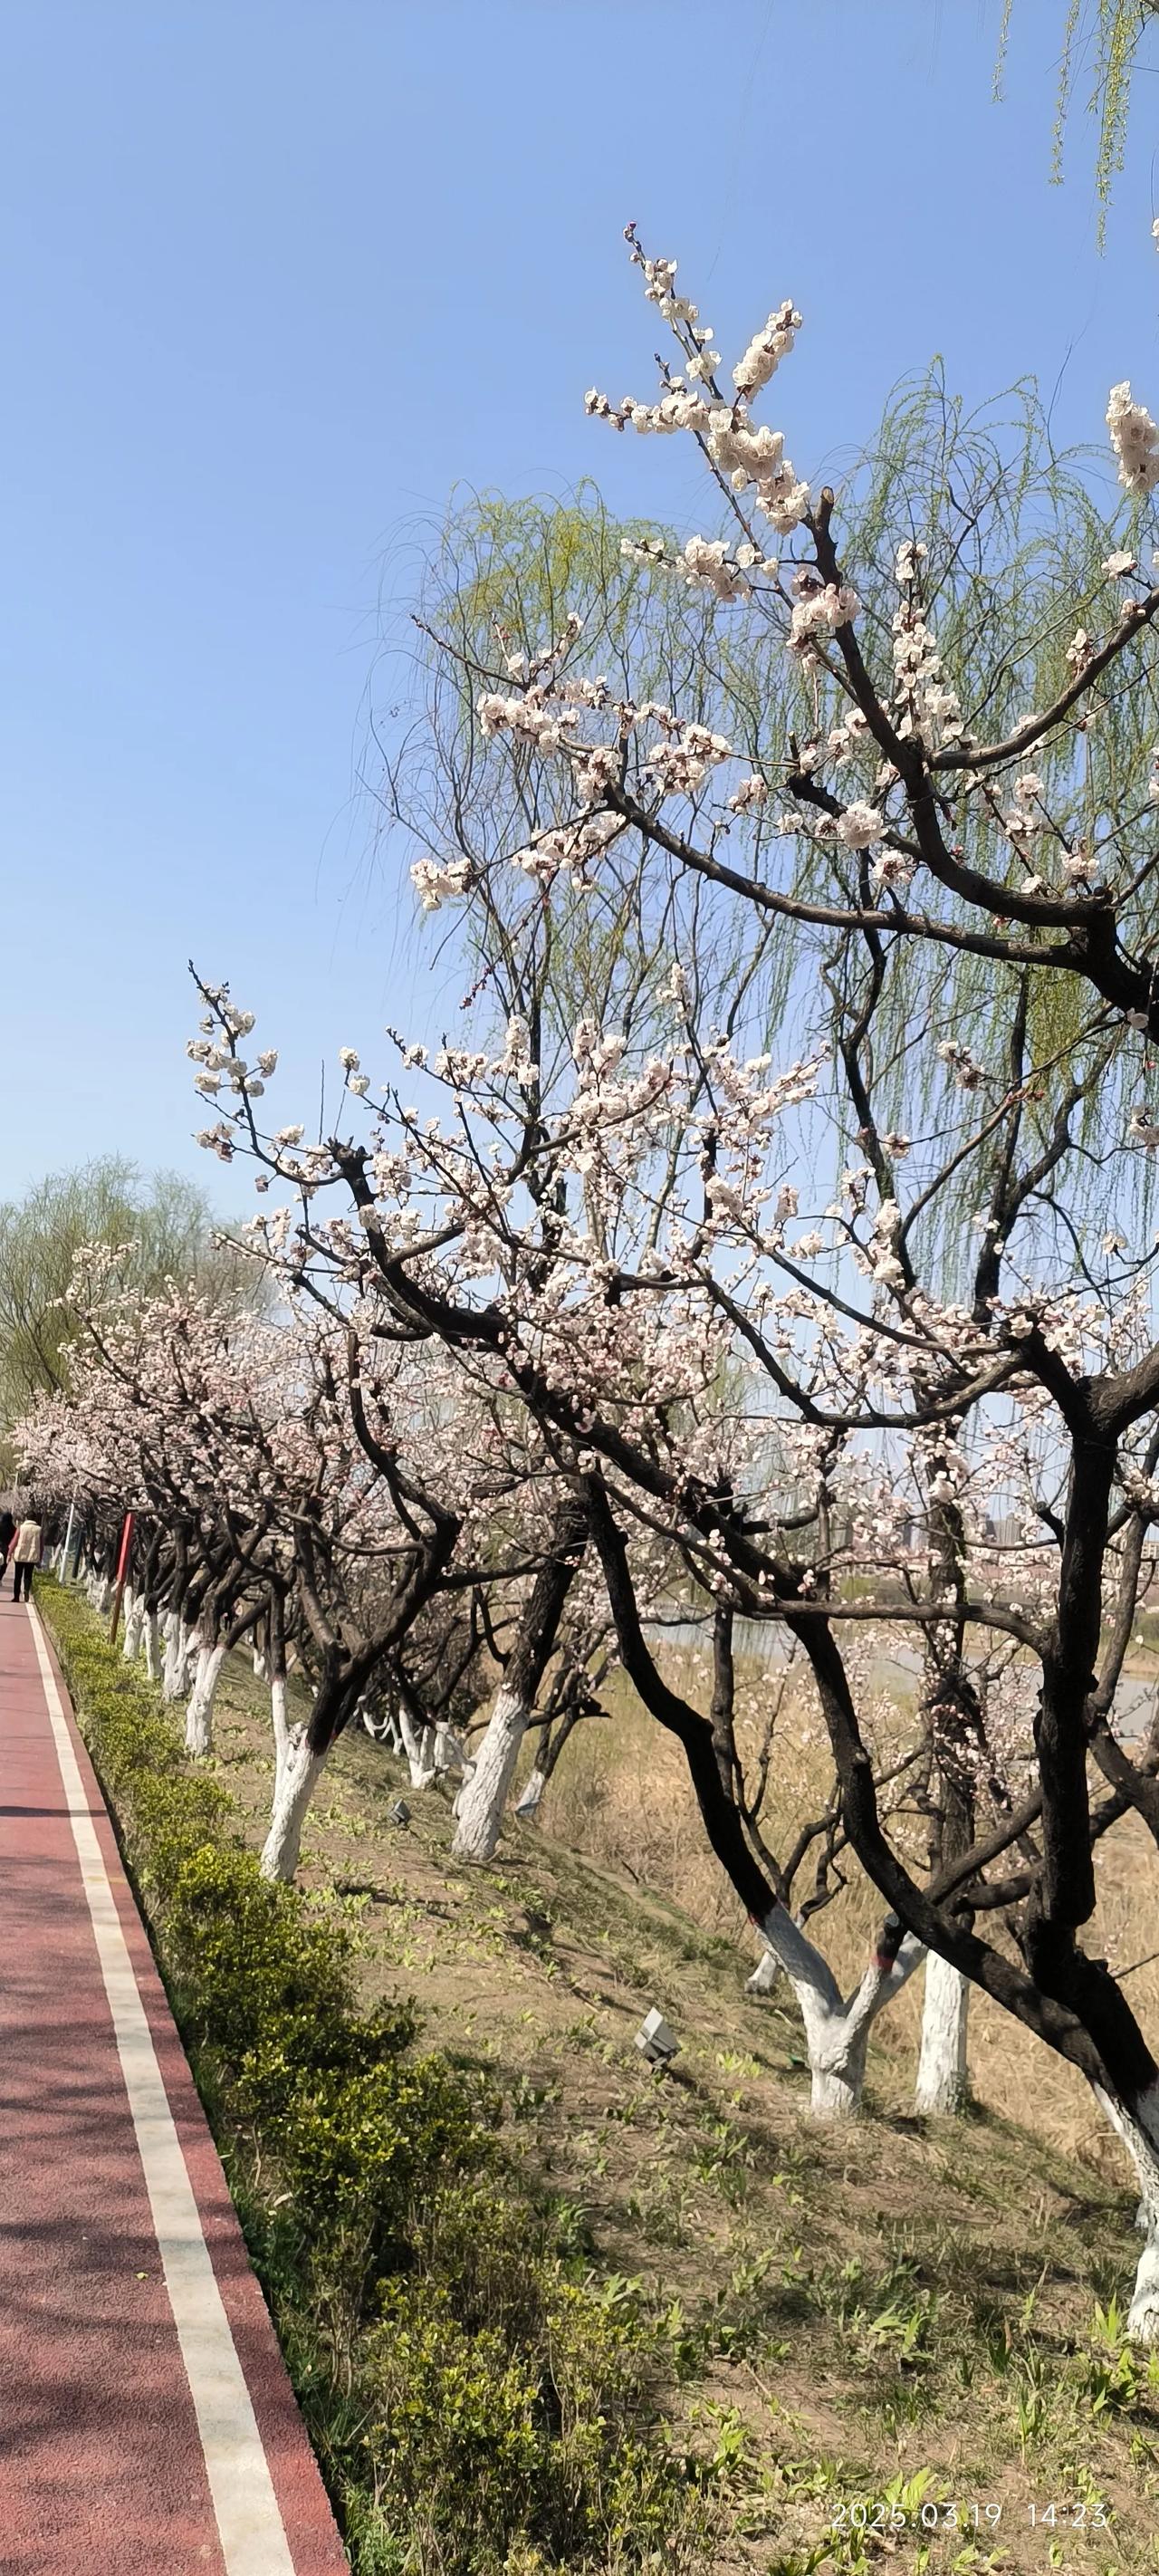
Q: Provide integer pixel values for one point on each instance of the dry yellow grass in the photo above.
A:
(622, 1798)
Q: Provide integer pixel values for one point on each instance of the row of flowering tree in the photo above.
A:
(272, 1467)
(351, 1505)
(862, 1333)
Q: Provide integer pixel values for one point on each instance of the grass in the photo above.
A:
(891, 2341)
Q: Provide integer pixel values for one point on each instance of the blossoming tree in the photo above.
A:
(613, 1236)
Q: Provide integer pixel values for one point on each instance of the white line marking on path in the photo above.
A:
(253, 2536)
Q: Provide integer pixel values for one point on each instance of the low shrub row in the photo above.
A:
(477, 2408)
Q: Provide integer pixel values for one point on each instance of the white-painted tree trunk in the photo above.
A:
(836, 2082)
(294, 1790)
(152, 1645)
(1138, 2127)
(174, 1664)
(281, 1726)
(530, 1799)
(766, 1974)
(836, 2031)
(381, 1730)
(483, 1796)
(943, 2072)
(199, 1714)
(261, 1668)
(448, 1753)
(134, 1623)
(419, 1747)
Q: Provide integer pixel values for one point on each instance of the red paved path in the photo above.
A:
(103, 2469)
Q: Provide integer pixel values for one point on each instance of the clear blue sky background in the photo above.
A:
(282, 272)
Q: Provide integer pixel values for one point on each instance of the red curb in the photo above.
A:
(101, 2469)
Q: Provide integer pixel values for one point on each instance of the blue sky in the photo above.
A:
(280, 274)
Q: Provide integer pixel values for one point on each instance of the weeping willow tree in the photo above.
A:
(165, 1226)
(1017, 537)
(501, 584)
(1104, 36)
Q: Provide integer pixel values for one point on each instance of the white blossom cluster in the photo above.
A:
(705, 563)
(681, 764)
(926, 702)
(437, 883)
(746, 456)
(535, 715)
(859, 826)
(220, 1062)
(967, 1072)
(751, 794)
(1135, 440)
(569, 847)
(819, 609)
(756, 457)
(677, 310)
(749, 458)
(706, 559)
(892, 868)
(1027, 815)
(766, 350)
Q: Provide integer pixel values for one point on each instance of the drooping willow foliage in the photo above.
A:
(1017, 535)
(502, 578)
(1111, 31)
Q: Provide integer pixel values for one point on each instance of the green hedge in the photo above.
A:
(476, 2408)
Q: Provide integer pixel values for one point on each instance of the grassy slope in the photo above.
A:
(898, 2301)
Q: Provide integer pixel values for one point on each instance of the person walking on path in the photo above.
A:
(25, 1554)
(7, 1534)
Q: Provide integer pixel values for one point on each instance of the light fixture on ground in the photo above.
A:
(656, 2039)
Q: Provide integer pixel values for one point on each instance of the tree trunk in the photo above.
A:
(274, 1661)
(282, 1731)
(418, 1743)
(382, 1730)
(134, 1623)
(152, 1645)
(837, 2072)
(293, 1791)
(765, 1975)
(483, 1796)
(448, 1752)
(837, 2032)
(199, 1714)
(551, 1744)
(528, 1802)
(1137, 2124)
(174, 1674)
(943, 2085)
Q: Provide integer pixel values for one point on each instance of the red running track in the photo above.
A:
(147, 2426)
